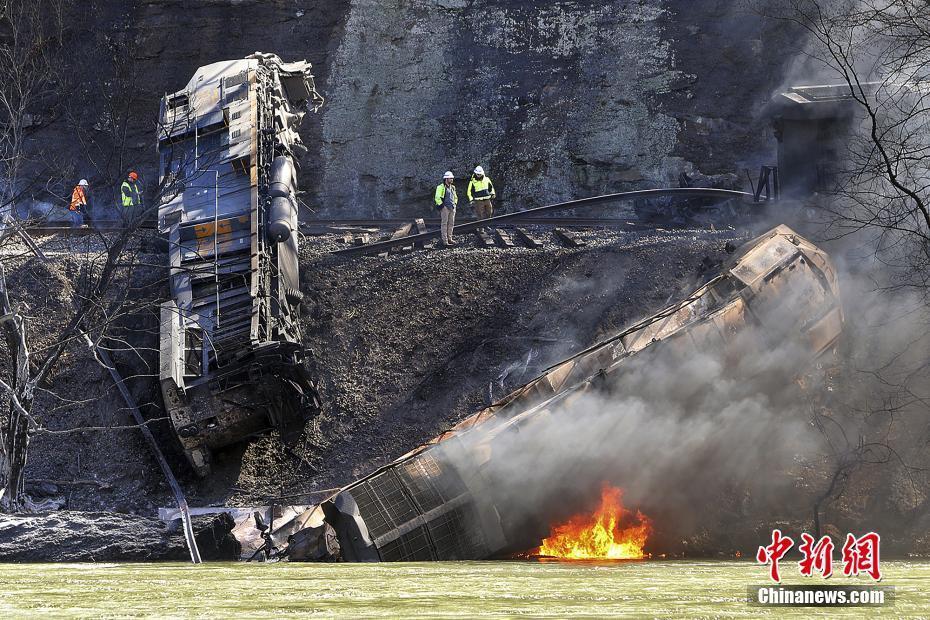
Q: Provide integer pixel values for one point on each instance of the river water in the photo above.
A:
(454, 590)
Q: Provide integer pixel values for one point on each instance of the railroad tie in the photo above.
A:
(484, 239)
(505, 238)
(569, 239)
(528, 240)
(403, 231)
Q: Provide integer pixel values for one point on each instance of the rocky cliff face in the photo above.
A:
(556, 98)
(553, 98)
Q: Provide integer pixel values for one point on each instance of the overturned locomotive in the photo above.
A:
(439, 501)
(231, 359)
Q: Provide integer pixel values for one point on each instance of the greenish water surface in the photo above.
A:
(452, 590)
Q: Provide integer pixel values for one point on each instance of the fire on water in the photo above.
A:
(611, 532)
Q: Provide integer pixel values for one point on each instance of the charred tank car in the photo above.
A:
(438, 502)
(231, 355)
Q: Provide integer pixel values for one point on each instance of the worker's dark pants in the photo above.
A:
(77, 219)
(130, 212)
(483, 209)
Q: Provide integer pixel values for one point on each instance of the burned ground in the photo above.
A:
(92, 469)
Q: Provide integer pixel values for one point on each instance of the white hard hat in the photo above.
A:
(448, 175)
(479, 170)
(83, 182)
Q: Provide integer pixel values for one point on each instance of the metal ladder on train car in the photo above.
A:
(216, 208)
(216, 244)
(190, 119)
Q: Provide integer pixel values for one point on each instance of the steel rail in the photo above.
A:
(354, 225)
(347, 225)
(104, 227)
(677, 192)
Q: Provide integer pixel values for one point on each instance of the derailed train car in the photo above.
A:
(231, 354)
(432, 504)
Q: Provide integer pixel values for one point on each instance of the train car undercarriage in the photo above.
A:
(231, 353)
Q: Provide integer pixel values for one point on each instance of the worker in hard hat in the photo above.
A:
(78, 204)
(131, 192)
(446, 201)
(480, 193)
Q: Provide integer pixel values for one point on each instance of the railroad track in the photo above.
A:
(45, 230)
(529, 217)
(336, 225)
(404, 239)
(529, 221)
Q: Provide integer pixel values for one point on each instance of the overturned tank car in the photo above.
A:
(433, 503)
(230, 349)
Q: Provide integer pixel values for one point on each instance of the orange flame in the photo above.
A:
(600, 536)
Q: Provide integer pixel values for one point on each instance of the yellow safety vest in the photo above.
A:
(131, 193)
(440, 195)
(481, 189)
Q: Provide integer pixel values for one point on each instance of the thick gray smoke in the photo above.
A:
(810, 62)
(704, 439)
(676, 428)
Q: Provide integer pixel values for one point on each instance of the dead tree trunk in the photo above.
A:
(14, 435)
(16, 453)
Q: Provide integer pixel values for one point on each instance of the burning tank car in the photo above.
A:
(231, 356)
(437, 502)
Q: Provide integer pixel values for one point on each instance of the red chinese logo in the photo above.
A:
(817, 557)
(775, 552)
(860, 555)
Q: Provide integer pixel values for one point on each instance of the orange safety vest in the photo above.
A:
(78, 197)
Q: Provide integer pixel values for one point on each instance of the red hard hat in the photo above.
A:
(133, 175)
